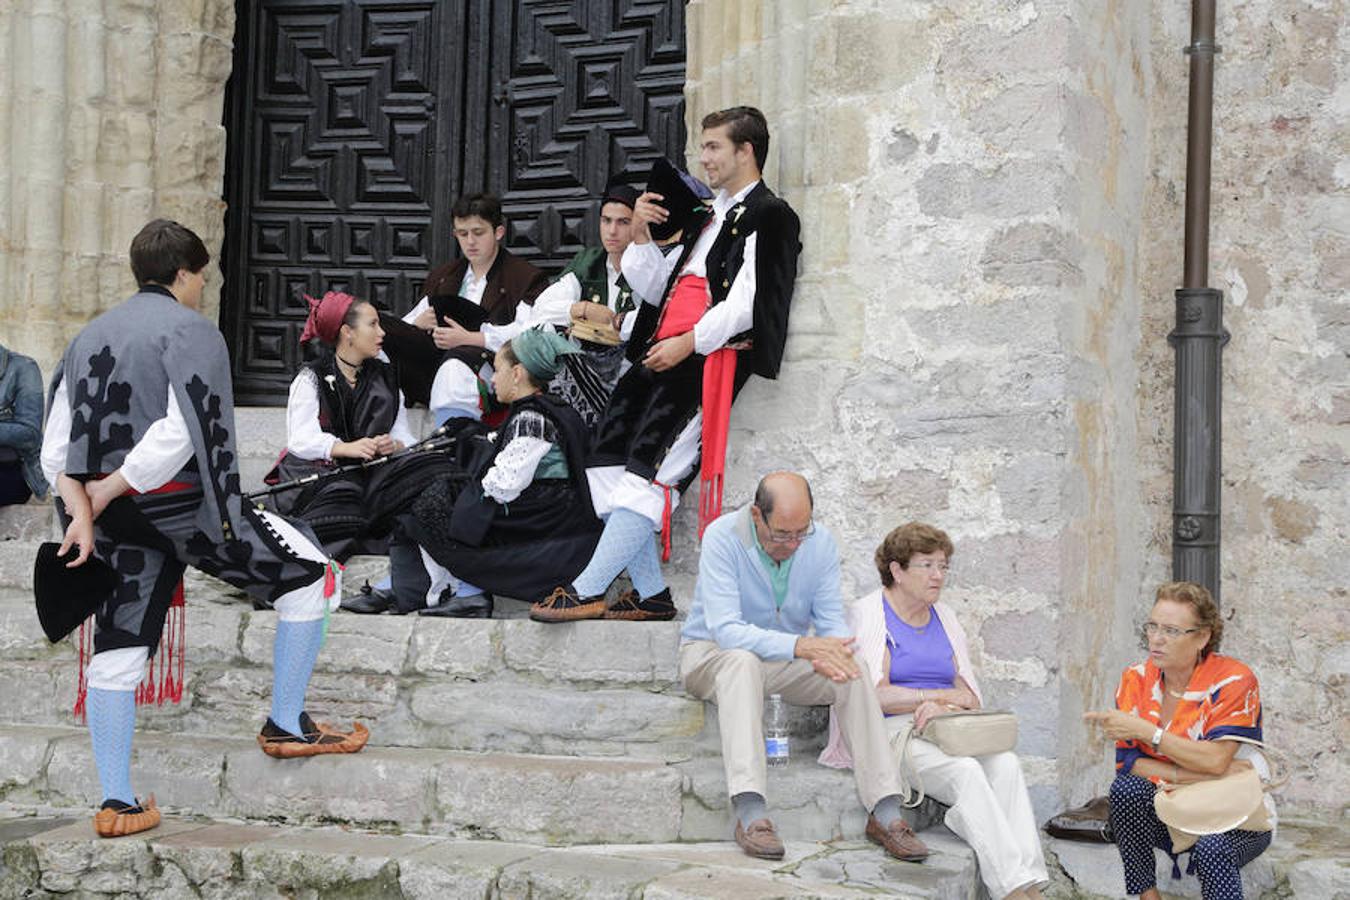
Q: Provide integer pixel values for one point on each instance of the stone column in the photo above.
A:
(961, 348)
(111, 116)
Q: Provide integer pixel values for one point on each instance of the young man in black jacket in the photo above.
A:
(715, 312)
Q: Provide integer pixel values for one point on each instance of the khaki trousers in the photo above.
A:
(738, 681)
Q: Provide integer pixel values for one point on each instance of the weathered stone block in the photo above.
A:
(529, 718)
(1014, 190)
(559, 799)
(1011, 559)
(866, 54)
(1033, 255)
(182, 772)
(23, 757)
(565, 875)
(457, 868)
(462, 647)
(594, 651)
(378, 786)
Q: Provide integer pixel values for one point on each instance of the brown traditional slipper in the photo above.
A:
(118, 819)
(281, 744)
(632, 608)
(564, 605)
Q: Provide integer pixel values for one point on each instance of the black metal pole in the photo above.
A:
(1198, 339)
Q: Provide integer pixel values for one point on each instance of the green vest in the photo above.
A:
(589, 268)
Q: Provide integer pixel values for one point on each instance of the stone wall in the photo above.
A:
(112, 115)
(962, 343)
(1281, 254)
(991, 198)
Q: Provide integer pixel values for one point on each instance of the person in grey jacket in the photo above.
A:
(20, 429)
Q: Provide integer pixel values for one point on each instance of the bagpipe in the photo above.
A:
(444, 440)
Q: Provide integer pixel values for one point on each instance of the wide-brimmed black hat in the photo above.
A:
(684, 196)
(66, 597)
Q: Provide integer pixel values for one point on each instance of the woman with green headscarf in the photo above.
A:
(526, 519)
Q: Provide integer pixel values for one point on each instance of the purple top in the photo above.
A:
(921, 658)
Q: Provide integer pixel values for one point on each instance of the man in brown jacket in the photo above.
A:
(444, 367)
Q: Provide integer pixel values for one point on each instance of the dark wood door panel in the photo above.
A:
(354, 124)
(581, 90)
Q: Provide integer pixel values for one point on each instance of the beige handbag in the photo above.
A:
(965, 732)
(972, 732)
(1191, 811)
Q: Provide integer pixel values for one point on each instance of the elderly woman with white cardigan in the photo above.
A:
(919, 650)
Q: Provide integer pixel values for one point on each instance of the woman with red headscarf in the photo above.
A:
(345, 407)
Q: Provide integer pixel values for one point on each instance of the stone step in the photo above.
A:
(587, 688)
(32, 521)
(529, 798)
(537, 799)
(1308, 860)
(204, 858)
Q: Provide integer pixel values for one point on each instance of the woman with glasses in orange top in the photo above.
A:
(1184, 714)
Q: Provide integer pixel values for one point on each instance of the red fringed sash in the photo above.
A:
(719, 381)
(169, 659)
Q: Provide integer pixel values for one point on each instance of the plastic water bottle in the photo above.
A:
(776, 731)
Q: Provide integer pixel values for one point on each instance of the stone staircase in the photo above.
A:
(543, 760)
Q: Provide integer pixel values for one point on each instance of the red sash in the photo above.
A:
(687, 304)
(719, 381)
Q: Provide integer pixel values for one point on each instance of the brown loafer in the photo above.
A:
(760, 840)
(281, 744)
(564, 605)
(899, 840)
(632, 608)
(113, 822)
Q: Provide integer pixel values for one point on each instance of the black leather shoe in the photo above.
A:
(371, 601)
(452, 606)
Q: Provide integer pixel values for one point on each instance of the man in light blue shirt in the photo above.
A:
(768, 578)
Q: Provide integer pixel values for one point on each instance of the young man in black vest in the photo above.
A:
(487, 275)
(139, 445)
(715, 311)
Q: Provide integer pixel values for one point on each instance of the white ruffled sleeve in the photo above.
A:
(304, 437)
(514, 468)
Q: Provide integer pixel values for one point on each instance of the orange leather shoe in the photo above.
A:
(119, 821)
(281, 744)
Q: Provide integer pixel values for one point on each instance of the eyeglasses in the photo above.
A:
(790, 537)
(927, 566)
(1167, 632)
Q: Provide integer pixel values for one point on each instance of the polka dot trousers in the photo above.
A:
(1215, 858)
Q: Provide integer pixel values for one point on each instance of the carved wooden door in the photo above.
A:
(354, 124)
(576, 91)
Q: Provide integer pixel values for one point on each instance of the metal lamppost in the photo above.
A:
(1198, 339)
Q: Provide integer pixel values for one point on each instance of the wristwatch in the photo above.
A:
(1157, 738)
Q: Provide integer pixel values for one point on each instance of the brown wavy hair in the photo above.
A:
(905, 541)
(1198, 597)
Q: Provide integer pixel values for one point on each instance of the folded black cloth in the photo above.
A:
(1090, 823)
(66, 597)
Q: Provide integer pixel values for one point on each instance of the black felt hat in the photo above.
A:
(618, 192)
(66, 597)
(684, 196)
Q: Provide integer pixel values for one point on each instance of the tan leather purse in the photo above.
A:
(965, 732)
(972, 732)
